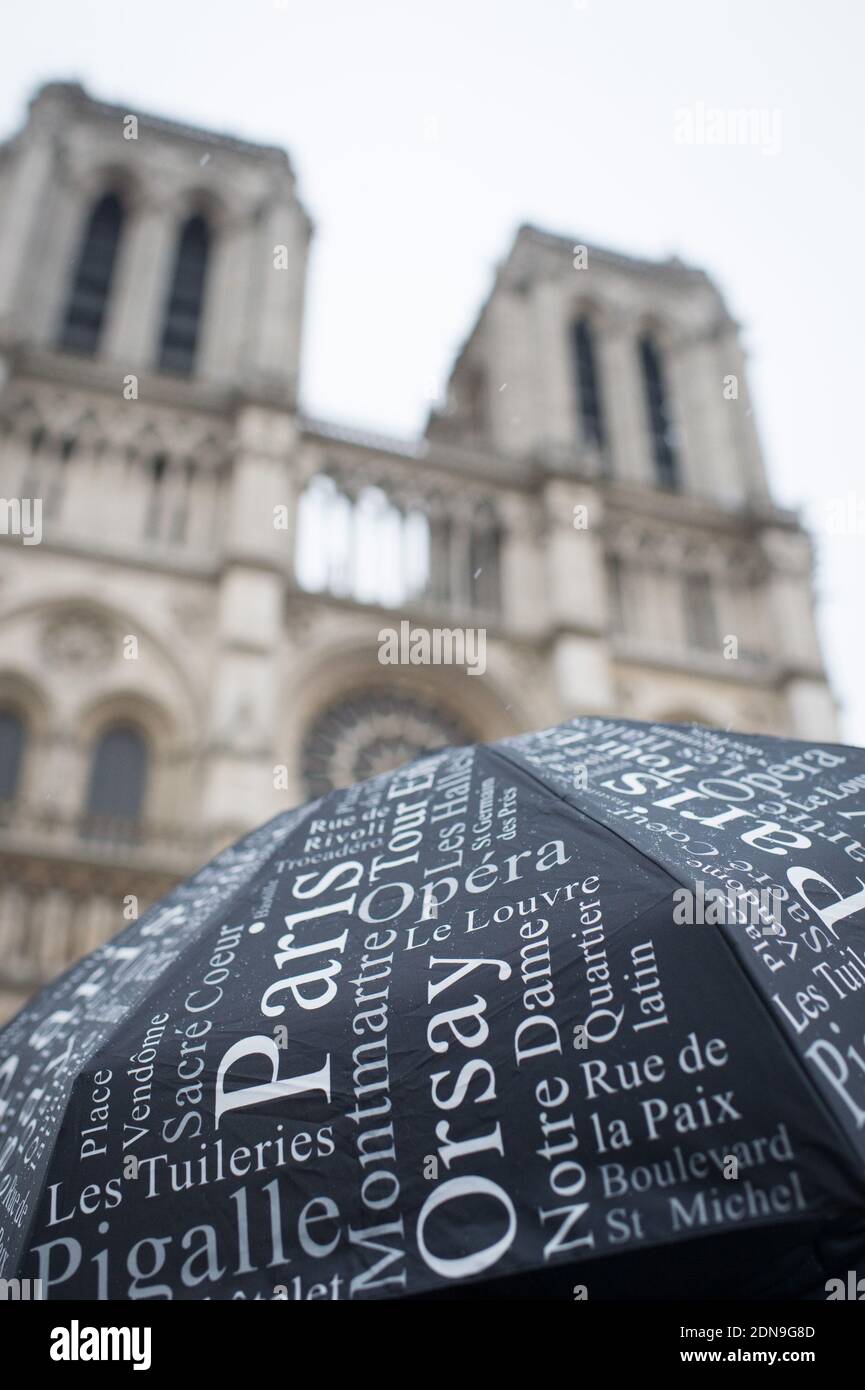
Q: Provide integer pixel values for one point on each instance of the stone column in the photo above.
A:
(52, 256)
(460, 559)
(274, 347)
(487, 586)
(31, 173)
(243, 722)
(141, 285)
(438, 583)
(700, 469)
(577, 598)
(742, 428)
(695, 401)
(790, 599)
(791, 623)
(553, 400)
(227, 297)
(627, 424)
(507, 349)
(525, 597)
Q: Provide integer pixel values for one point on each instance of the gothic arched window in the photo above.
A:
(588, 383)
(366, 546)
(661, 426)
(182, 322)
(158, 469)
(118, 775)
(91, 280)
(12, 739)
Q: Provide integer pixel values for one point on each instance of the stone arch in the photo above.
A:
(147, 442)
(458, 707)
(22, 415)
(601, 312)
(27, 697)
(142, 712)
(77, 644)
(27, 700)
(74, 648)
(200, 200)
(171, 789)
(89, 428)
(119, 773)
(110, 176)
(656, 325)
(109, 623)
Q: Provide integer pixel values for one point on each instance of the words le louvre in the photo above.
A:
(443, 1027)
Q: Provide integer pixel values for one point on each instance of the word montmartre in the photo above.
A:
(387, 900)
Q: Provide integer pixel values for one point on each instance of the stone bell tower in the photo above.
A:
(619, 386)
(166, 199)
(151, 305)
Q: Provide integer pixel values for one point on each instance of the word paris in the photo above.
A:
(438, 646)
(737, 908)
(702, 125)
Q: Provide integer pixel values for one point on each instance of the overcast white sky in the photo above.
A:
(425, 131)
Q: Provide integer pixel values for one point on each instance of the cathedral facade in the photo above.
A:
(195, 577)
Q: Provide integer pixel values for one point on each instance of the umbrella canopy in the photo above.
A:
(577, 1013)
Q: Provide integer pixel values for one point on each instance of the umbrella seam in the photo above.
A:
(222, 912)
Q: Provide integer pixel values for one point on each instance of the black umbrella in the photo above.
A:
(578, 1012)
